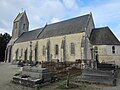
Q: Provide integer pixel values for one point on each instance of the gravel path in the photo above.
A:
(6, 73)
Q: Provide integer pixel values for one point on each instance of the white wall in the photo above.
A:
(106, 55)
(109, 50)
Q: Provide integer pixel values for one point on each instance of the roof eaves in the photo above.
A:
(19, 37)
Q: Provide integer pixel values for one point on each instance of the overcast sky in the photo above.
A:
(40, 12)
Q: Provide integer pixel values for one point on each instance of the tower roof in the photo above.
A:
(19, 16)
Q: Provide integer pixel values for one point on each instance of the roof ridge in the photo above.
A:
(68, 19)
(41, 31)
(61, 21)
(88, 19)
(19, 15)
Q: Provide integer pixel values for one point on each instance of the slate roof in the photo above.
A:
(71, 26)
(28, 36)
(103, 36)
(19, 16)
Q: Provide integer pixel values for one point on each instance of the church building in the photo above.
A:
(69, 40)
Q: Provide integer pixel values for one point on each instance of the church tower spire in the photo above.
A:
(20, 25)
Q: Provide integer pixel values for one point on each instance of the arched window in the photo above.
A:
(16, 53)
(113, 49)
(25, 54)
(30, 57)
(43, 50)
(23, 26)
(72, 48)
(83, 41)
(48, 50)
(56, 49)
(96, 50)
(36, 52)
(21, 52)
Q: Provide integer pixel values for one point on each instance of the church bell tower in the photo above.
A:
(20, 25)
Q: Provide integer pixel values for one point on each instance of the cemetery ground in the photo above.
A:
(7, 71)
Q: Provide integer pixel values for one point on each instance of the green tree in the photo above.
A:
(4, 39)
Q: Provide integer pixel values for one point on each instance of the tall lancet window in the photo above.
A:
(30, 57)
(36, 51)
(96, 50)
(16, 57)
(56, 49)
(44, 50)
(25, 54)
(23, 26)
(21, 52)
(72, 49)
(48, 50)
(113, 49)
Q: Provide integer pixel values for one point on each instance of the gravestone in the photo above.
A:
(32, 76)
(103, 74)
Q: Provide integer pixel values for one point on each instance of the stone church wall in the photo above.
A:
(88, 30)
(106, 55)
(71, 38)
